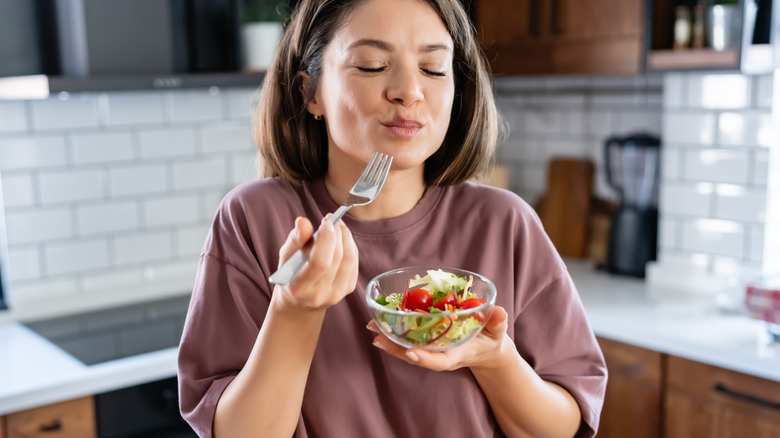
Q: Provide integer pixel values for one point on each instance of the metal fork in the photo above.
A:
(364, 191)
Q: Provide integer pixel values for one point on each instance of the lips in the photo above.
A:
(404, 128)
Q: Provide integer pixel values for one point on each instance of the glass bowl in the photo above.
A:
(432, 330)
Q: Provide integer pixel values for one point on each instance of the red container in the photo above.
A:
(763, 301)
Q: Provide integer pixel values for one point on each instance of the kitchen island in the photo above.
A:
(34, 372)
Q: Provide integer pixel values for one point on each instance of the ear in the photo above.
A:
(308, 89)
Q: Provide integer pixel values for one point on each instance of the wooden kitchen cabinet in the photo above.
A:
(2, 427)
(706, 401)
(632, 405)
(562, 36)
(69, 419)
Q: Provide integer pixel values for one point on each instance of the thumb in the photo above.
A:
(497, 323)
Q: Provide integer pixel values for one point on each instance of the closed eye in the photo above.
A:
(371, 70)
(435, 73)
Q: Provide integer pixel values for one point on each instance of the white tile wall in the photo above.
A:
(109, 191)
(719, 133)
(570, 117)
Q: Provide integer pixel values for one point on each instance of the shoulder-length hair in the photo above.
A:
(295, 146)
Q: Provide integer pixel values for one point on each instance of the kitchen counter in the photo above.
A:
(34, 372)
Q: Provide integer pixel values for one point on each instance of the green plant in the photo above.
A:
(724, 2)
(264, 10)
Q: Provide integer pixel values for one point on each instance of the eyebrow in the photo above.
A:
(382, 45)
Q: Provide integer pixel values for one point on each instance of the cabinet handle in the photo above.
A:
(54, 426)
(721, 389)
(555, 17)
(533, 18)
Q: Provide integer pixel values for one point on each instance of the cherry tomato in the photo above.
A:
(472, 302)
(417, 299)
(448, 299)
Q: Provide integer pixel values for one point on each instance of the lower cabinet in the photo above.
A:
(706, 401)
(651, 394)
(632, 405)
(2, 427)
(69, 419)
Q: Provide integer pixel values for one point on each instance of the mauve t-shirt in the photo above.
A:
(353, 388)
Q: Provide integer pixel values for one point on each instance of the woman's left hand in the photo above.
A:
(483, 350)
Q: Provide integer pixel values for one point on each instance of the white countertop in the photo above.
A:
(34, 372)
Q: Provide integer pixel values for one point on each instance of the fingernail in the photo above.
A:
(379, 346)
(413, 357)
(371, 328)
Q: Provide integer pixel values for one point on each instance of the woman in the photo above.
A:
(404, 77)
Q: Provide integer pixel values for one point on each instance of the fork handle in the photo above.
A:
(290, 268)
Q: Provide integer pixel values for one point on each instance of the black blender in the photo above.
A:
(632, 167)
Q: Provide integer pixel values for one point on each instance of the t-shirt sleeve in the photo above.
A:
(219, 334)
(553, 335)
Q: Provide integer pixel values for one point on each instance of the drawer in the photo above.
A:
(638, 364)
(730, 389)
(70, 419)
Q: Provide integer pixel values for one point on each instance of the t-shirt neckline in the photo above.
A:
(424, 206)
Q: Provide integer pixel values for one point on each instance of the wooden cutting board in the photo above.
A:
(566, 204)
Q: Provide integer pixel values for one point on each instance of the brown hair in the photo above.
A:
(295, 146)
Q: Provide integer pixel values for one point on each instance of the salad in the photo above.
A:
(424, 297)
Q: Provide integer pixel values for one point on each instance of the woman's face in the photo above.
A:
(387, 84)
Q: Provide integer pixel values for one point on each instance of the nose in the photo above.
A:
(404, 86)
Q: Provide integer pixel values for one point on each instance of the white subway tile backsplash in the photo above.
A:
(739, 203)
(32, 152)
(717, 165)
(600, 124)
(167, 143)
(101, 281)
(210, 201)
(764, 90)
(77, 256)
(180, 271)
(200, 174)
(519, 150)
(714, 236)
(243, 167)
(25, 226)
(639, 121)
(145, 247)
(18, 190)
(13, 116)
(241, 102)
(190, 240)
(24, 263)
(107, 217)
(29, 293)
(756, 236)
(102, 147)
(562, 148)
(195, 106)
(134, 108)
(760, 171)
(686, 199)
(66, 112)
(675, 86)
(228, 138)
(545, 121)
(71, 185)
(138, 179)
(671, 162)
(746, 129)
(171, 210)
(719, 91)
(667, 233)
(688, 128)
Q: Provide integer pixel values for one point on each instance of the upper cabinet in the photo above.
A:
(726, 35)
(538, 37)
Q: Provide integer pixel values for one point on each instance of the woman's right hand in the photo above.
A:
(328, 276)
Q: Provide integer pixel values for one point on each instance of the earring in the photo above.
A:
(318, 117)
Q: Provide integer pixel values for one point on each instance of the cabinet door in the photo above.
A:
(597, 36)
(703, 401)
(632, 405)
(515, 36)
(70, 419)
(2, 427)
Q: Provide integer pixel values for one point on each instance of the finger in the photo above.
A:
(433, 360)
(299, 235)
(321, 255)
(346, 277)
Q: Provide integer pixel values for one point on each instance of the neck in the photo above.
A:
(400, 193)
